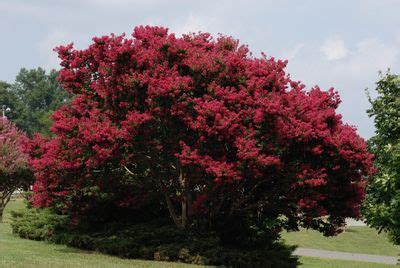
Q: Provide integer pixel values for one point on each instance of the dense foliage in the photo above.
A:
(199, 131)
(32, 98)
(37, 224)
(11, 101)
(382, 206)
(14, 170)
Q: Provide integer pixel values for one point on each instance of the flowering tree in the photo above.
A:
(14, 170)
(216, 136)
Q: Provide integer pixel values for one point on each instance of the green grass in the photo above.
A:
(16, 252)
(354, 239)
(327, 263)
(14, 204)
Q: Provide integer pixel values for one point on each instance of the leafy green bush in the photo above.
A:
(381, 208)
(36, 224)
(152, 240)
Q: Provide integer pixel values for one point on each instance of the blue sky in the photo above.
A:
(340, 44)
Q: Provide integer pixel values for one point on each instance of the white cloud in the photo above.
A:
(334, 48)
(357, 70)
(370, 56)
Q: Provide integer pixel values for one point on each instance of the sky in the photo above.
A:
(341, 44)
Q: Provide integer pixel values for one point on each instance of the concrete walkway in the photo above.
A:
(327, 254)
(353, 222)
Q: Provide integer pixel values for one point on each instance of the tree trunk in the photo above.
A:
(4, 199)
(172, 210)
(1, 213)
(180, 222)
(184, 202)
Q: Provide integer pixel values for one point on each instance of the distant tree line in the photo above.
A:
(32, 98)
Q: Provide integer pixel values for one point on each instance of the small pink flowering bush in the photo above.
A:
(14, 170)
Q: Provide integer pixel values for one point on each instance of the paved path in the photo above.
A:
(353, 222)
(327, 254)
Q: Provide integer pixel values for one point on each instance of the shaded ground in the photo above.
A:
(17, 252)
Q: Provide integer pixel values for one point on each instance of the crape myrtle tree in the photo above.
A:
(382, 206)
(14, 170)
(198, 130)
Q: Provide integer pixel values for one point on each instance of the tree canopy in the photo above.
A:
(10, 100)
(32, 99)
(382, 206)
(198, 130)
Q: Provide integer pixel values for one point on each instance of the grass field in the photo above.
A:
(21, 253)
(354, 239)
(16, 252)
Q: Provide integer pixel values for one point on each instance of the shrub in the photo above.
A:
(155, 240)
(14, 170)
(36, 224)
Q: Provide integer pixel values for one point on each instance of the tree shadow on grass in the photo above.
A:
(73, 250)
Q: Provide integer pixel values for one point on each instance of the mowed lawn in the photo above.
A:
(353, 239)
(17, 252)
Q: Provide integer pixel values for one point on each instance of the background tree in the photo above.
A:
(202, 132)
(14, 170)
(37, 94)
(11, 100)
(382, 206)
